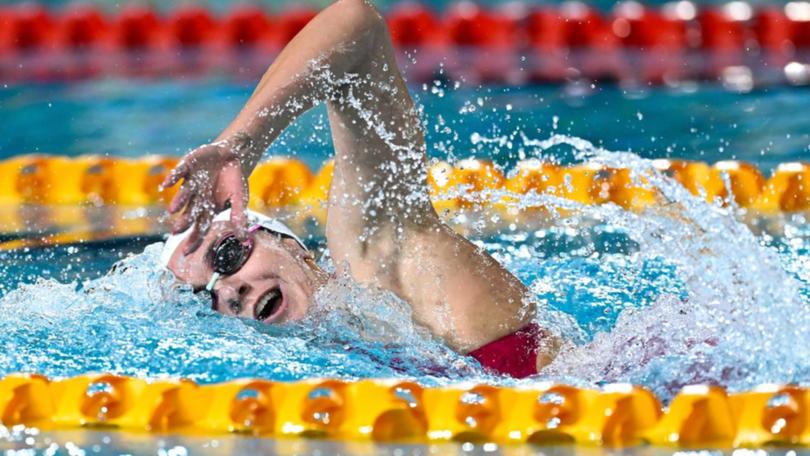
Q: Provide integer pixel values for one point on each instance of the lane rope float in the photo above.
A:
(287, 182)
(523, 43)
(394, 410)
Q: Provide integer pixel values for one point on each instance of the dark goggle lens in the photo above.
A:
(229, 255)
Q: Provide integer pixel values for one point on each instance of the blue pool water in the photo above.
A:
(130, 118)
(679, 294)
(137, 322)
(682, 293)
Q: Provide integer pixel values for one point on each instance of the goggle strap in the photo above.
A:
(214, 277)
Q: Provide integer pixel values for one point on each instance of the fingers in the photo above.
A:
(201, 227)
(239, 220)
(180, 199)
(194, 240)
(201, 194)
(179, 172)
(234, 193)
(185, 219)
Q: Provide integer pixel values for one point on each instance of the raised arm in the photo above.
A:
(327, 61)
(381, 227)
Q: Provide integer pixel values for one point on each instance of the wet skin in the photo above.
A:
(381, 228)
(276, 283)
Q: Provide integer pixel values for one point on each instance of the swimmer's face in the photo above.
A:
(274, 285)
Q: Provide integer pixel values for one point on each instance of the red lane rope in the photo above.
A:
(734, 31)
(573, 24)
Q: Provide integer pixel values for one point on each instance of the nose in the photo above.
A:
(229, 298)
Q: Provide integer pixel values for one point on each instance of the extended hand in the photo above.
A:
(213, 180)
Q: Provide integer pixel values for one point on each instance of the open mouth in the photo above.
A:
(270, 305)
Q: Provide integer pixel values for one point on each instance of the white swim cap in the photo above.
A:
(254, 219)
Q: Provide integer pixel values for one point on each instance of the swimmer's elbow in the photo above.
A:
(360, 16)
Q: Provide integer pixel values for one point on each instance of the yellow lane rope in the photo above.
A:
(285, 182)
(403, 411)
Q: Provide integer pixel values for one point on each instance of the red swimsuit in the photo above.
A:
(514, 354)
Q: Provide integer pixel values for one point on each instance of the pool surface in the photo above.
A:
(105, 442)
(650, 298)
(706, 122)
(687, 292)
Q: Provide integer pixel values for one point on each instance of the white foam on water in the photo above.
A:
(137, 320)
(743, 321)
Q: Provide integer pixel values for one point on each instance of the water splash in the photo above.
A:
(137, 320)
(740, 318)
(689, 295)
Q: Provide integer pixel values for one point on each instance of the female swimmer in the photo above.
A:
(381, 228)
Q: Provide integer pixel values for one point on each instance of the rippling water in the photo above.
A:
(136, 320)
(680, 293)
(130, 118)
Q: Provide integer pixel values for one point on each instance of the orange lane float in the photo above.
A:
(469, 182)
(89, 179)
(397, 410)
(744, 182)
(549, 413)
(535, 176)
(116, 401)
(620, 186)
(26, 400)
(578, 183)
(279, 182)
(377, 410)
(478, 178)
(242, 406)
(740, 180)
(313, 198)
(96, 181)
(776, 414)
(697, 177)
(138, 180)
(788, 189)
(699, 416)
(25, 179)
(532, 177)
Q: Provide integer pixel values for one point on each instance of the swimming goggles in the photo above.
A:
(232, 253)
(229, 254)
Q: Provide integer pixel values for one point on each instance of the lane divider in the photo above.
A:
(677, 25)
(394, 410)
(286, 182)
(524, 43)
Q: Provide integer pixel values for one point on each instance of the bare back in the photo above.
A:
(381, 226)
(380, 222)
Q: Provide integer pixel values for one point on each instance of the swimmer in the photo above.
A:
(381, 228)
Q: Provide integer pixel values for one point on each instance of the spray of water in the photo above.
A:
(698, 297)
(737, 317)
(136, 320)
